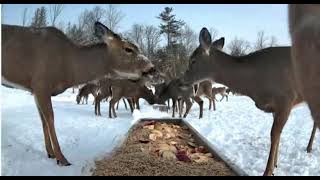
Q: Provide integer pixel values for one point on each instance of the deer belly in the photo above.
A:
(10, 84)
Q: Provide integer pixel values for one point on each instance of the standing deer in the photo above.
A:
(220, 90)
(85, 91)
(179, 93)
(265, 76)
(205, 87)
(45, 62)
(132, 91)
(304, 27)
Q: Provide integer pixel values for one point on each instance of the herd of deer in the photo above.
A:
(45, 62)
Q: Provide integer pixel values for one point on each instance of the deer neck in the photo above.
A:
(234, 72)
(90, 63)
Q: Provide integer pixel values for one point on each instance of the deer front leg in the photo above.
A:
(45, 106)
(210, 103)
(173, 107)
(309, 148)
(188, 107)
(99, 107)
(45, 129)
(95, 107)
(280, 119)
(113, 102)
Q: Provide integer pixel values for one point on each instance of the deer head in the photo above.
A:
(129, 61)
(202, 59)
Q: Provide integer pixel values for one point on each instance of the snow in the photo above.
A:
(237, 128)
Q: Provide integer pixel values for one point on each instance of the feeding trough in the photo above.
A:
(165, 147)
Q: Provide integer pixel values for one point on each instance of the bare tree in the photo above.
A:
(239, 47)
(86, 22)
(24, 16)
(273, 41)
(55, 10)
(113, 17)
(261, 42)
(136, 34)
(189, 39)
(213, 32)
(151, 39)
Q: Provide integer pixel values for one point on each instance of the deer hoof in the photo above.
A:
(51, 156)
(309, 150)
(63, 163)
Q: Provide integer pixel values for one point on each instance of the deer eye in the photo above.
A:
(128, 50)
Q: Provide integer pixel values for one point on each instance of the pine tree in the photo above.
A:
(40, 18)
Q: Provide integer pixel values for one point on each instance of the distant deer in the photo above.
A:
(205, 87)
(85, 91)
(132, 90)
(45, 62)
(179, 93)
(304, 29)
(265, 76)
(220, 90)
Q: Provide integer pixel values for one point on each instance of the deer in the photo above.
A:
(205, 87)
(304, 28)
(104, 92)
(220, 90)
(265, 76)
(179, 93)
(132, 91)
(85, 91)
(45, 62)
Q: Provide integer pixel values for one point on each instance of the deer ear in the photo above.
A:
(103, 32)
(218, 44)
(205, 39)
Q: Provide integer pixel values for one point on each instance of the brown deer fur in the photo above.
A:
(265, 76)
(304, 26)
(45, 62)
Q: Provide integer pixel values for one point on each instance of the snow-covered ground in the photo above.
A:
(237, 128)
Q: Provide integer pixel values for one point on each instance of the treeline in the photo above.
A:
(171, 56)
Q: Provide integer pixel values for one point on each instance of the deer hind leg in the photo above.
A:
(117, 105)
(137, 103)
(46, 133)
(280, 119)
(130, 102)
(45, 106)
(180, 106)
(200, 102)
(309, 148)
(125, 104)
(188, 107)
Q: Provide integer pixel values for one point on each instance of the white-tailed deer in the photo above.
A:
(304, 26)
(85, 91)
(179, 93)
(220, 90)
(205, 87)
(265, 76)
(45, 62)
(131, 90)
